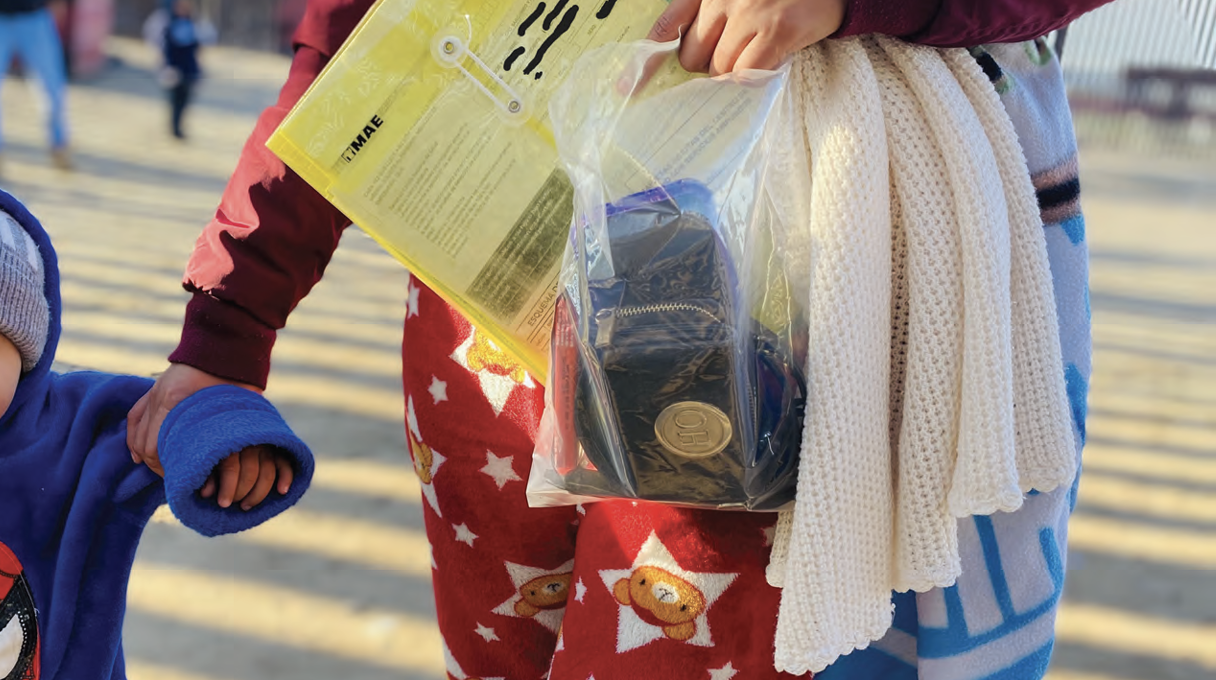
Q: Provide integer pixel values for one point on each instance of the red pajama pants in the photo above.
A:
(610, 590)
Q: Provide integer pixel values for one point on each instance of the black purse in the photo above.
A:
(677, 399)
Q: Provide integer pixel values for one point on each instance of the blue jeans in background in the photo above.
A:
(34, 39)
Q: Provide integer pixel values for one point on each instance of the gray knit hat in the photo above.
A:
(24, 313)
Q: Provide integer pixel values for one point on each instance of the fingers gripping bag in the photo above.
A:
(678, 350)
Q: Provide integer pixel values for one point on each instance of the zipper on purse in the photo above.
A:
(605, 319)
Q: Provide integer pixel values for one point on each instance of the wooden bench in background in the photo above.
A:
(1181, 84)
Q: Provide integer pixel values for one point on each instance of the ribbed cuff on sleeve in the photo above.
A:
(224, 340)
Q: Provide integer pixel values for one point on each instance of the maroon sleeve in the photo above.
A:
(962, 23)
(272, 235)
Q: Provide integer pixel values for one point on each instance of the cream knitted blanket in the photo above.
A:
(936, 388)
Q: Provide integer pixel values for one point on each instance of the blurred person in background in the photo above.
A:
(28, 32)
(179, 35)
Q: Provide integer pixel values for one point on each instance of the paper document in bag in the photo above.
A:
(429, 129)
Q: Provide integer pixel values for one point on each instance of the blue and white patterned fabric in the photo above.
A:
(998, 621)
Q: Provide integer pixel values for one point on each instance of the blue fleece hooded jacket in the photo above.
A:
(73, 505)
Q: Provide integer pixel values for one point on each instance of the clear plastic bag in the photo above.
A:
(676, 366)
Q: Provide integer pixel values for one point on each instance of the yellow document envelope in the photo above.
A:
(429, 129)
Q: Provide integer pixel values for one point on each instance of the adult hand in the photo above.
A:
(721, 36)
(146, 416)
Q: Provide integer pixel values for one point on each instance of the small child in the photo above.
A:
(72, 502)
(180, 40)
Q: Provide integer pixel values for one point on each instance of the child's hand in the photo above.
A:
(247, 477)
(720, 36)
